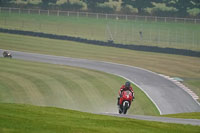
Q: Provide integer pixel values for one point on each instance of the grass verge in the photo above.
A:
(195, 115)
(27, 118)
(65, 87)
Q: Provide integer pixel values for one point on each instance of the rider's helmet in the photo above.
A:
(127, 84)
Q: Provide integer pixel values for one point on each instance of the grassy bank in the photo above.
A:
(171, 34)
(172, 65)
(195, 115)
(26, 118)
(65, 87)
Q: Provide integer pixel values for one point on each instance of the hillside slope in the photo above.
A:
(26, 118)
(65, 87)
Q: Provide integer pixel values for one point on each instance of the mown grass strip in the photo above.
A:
(194, 115)
(65, 87)
(27, 118)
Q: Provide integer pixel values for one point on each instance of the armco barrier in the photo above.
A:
(110, 44)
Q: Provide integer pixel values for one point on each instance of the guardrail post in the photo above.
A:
(48, 12)
(86, 14)
(29, 12)
(195, 21)
(68, 13)
(126, 17)
(165, 19)
(39, 11)
(156, 19)
(106, 16)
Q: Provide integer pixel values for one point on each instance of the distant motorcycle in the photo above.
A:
(125, 101)
(7, 54)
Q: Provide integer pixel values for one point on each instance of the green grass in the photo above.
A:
(26, 118)
(195, 115)
(65, 87)
(171, 65)
(171, 34)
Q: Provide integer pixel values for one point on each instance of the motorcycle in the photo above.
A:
(7, 54)
(125, 101)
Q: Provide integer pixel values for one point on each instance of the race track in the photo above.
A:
(168, 97)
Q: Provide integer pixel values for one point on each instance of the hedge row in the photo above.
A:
(109, 43)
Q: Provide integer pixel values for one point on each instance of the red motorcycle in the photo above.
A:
(125, 101)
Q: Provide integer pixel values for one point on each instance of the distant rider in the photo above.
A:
(125, 87)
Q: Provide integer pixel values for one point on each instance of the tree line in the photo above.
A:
(173, 7)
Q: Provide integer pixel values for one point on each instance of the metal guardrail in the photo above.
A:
(99, 15)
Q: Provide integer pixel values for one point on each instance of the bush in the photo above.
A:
(195, 12)
(76, 6)
(128, 9)
(103, 8)
(161, 12)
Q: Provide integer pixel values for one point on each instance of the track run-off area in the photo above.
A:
(167, 97)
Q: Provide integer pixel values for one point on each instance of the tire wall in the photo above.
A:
(184, 52)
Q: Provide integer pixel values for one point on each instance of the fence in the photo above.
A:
(125, 29)
(100, 15)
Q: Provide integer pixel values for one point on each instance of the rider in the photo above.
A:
(126, 86)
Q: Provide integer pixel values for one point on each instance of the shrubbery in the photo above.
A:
(128, 9)
(76, 6)
(104, 9)
(161, 12)
(172, 8)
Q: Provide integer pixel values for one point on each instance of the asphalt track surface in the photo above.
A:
(168, 97)
(160, 119)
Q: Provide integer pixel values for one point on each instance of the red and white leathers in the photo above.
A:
(123, 88)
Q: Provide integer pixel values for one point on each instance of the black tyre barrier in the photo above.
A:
(102, 43)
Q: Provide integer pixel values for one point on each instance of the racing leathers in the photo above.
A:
(124, 88)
